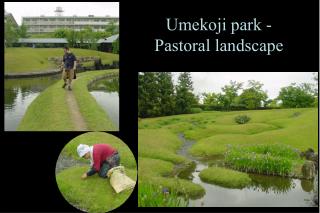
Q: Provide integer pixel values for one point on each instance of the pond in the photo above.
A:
(106, 93)
(19, 93)
(263, 191)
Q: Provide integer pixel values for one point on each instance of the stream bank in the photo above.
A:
(263, 191)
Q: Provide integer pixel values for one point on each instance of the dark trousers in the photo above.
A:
(108, 164)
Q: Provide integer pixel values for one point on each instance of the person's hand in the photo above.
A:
(84, 176)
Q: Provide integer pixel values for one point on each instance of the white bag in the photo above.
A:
(119, 180)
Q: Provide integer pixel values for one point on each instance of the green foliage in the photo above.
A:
(184, 96)
(61, 33)
(152, 196)
(297, 96)
(195, 110)
(242, 119)
(270, 159)
(230, 93)
(115, 47)
(10, 34)
(155, 94)
(253, 96)
(225, 177)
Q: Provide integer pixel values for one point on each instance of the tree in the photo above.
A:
(184, 96)
(253, 96)
(115, 47)
(296, 96)
(148, 95)
(10, 35)
(166, 93)
(112, 28)
(230, 93)
(22, 31)
(210, 98)
(60, 33)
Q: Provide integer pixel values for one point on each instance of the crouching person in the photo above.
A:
(102, 158)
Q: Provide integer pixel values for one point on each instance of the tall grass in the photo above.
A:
(275, 159)
(152, 196)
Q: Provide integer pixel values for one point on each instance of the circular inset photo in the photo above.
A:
(96, 172)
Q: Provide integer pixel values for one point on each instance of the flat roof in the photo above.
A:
(43, 40)
(71, 17)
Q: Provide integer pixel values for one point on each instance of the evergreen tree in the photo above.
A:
(166, 93)
(184, 96)
(148, 95)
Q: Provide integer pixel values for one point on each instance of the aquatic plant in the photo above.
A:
(269, 159)
(242, 119)
(152, 196)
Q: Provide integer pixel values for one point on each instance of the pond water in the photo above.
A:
(106, 93)
(264, 190)
(19, 93)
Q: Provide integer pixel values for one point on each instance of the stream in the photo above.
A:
(19, 93)
(264, 190)
(106, 93)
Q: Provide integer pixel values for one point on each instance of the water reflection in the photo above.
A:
(19, 93)
(106, 93)
(267, 184)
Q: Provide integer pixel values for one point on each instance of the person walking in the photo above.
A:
(69, 67)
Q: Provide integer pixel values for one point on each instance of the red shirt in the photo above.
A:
(101, 152)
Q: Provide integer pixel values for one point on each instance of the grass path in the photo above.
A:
(76, 117)
(57, 109)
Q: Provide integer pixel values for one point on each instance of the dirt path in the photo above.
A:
(77, 119)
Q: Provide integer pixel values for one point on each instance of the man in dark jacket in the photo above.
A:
(69, 67)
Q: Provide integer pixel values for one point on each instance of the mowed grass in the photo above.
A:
(24, 59)
(157, 158)
(94, 115)
(50, 112)
(213, 131)
(225, 177)
(94, 194)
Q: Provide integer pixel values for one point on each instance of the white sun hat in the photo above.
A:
(82, 149)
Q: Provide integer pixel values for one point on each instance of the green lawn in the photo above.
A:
(157, 157)
(94, 194)
(50, 112)
(213, 132)
(24, 59)
(225, 177)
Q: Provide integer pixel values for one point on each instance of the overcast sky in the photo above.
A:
(20, 9)
(273, 81)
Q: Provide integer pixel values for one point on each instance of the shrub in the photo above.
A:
(276, 159)
(242, 119)
(195, 110)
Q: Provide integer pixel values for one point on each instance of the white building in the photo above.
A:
(48, 24)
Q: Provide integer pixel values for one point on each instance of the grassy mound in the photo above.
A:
(23, 59)
(269, 159)
(225, 177)
(94, 194)
(50, 112)
(157, 158)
